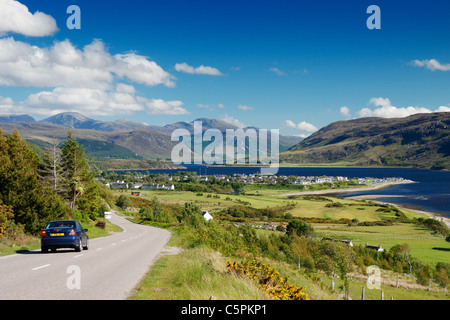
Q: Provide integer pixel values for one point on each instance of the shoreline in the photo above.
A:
(376, 186)
(434, 215)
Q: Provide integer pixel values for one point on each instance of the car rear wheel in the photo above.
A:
(78, 246)
(86, 247)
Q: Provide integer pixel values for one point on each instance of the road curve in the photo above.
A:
(109, 270)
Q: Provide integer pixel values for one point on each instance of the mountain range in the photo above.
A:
(420, 141)
(120, 139)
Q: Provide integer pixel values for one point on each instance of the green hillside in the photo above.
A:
(420, 141)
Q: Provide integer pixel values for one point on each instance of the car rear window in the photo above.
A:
(60, 224)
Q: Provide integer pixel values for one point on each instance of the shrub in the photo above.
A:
(268, 279)
(299, 228)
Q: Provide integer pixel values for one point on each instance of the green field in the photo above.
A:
(424, 245)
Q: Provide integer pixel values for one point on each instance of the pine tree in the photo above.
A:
(76, 169)
(21, 190)
(82, 191)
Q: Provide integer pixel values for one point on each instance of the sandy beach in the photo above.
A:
(375, 186)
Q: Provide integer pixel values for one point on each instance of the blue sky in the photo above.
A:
(290, 65)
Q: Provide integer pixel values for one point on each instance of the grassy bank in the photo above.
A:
(239, 232)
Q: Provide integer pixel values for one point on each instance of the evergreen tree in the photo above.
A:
(82, 191)
(20, 189)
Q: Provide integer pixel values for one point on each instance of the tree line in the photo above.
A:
(35, 190)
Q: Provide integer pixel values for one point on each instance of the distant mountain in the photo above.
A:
(420, 140)
(136, 144)
(284, 141)
(115, 139)
(16, 118)
(78, 121)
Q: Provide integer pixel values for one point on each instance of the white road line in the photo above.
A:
(77, 256)
(113, 244)
(99, 249)
(44, 266)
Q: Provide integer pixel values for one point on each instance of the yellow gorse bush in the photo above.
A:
(268, 279)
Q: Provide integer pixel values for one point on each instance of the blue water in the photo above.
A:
(430, 193)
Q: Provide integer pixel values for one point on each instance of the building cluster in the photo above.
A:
(143, 186)
(165, 181)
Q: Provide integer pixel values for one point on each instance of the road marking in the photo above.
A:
(113, 244)
(44, 266)
(78, 256)
(99, 249)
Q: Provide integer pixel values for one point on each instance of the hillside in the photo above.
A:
(421, 141)
(136, 144)
(119, 139)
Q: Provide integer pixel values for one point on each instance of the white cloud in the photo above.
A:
(139, 69)
(304, 126)
(443, 109)
(385, 109)
(15, 17)
(245, 108)
(431, 64)
(22, 64)
(91, 102)
(232, 120)
(159, 106)
(345, 111)
(302, 135)
(210, 107)
(184, 67)
(125, 88)
(277, 71)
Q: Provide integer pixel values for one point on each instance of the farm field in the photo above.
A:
(424, 244)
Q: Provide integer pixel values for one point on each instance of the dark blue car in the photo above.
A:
(64, 234)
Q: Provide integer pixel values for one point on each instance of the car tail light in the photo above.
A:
(44, 234)
(72, 233)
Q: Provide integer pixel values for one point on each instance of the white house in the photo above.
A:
(207, 216)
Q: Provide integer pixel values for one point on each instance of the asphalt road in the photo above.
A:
(109, 270)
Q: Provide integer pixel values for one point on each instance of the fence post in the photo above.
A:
(363, 297)
(332, 284)
(397, 280)
(382, 295)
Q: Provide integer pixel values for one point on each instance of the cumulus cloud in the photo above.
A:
(345, 111)
(232, 120)
(159, 106)
(431, 64)
(304, 126)
(90, 101)
(15, 17)
(184, 67)
(385, 109)
(22, 64)
(89, 80)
